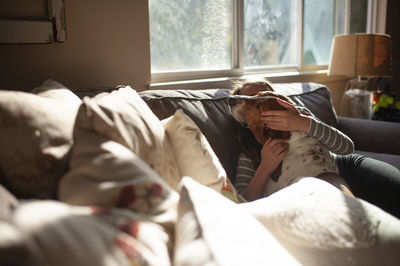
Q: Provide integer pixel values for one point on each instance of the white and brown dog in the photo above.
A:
(306, 157)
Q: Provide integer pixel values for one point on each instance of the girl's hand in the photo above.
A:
(286, 120)
(272, 153)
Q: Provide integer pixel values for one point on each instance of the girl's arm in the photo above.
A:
(251, 182)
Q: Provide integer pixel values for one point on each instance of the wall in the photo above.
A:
(107, 44)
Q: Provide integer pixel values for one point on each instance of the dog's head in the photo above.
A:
(247, 111)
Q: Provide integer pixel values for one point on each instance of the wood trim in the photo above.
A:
(25, 31)
(34, 31)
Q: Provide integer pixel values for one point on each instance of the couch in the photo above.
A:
(93, 182)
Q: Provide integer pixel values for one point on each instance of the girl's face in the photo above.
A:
(253, 89)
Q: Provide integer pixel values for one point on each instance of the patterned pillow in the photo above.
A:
(195, 157)
(105, 173)
(54, 233)
(108, 174)
(36, 139)
(221, 232)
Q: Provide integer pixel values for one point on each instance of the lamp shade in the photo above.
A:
(366, 55)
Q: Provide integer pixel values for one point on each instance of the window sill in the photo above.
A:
(318, 76)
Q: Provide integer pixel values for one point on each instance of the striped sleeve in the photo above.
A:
(244, 174)
(333, 139)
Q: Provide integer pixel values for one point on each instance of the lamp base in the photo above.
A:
(357, 100)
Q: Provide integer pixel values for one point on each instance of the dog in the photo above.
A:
(306, 156)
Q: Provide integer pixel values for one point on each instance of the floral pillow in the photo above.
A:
(106, 174)
(53, 233)
(195, 157)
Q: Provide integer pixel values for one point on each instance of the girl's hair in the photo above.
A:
(248, 143)
(250, 146)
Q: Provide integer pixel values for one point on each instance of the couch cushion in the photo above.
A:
(392, 159)
(316, 97)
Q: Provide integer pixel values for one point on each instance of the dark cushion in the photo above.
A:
(372, 135)
(392, 159)
(314, 96)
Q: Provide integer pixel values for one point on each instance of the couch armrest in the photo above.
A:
(372, 135)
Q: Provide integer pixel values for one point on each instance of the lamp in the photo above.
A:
(360, 56)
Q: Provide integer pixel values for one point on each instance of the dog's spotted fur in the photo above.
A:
(306, 157)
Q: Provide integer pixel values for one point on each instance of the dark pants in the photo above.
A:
(371, 180)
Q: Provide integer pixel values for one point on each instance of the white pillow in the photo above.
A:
(195, 157)
(36, 139)
(224, 233)
(321, 225)
(123, 116)
(55, 90)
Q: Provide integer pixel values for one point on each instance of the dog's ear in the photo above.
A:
(272, 104)
(269, 104)
(285, 98)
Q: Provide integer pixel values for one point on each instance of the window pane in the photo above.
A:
(358, 16)
(341, 16)
(319, 28)
(270, 32)
(190, 35)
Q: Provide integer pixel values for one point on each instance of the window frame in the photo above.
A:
(376, 23)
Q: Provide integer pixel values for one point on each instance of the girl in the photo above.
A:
(372, 180)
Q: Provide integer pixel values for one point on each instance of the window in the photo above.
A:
(219, 38)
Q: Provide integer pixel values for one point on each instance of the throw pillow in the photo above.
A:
(35, 141)
(106, 173)
(195, 156)
(55, 90)
(224, 233)
(321, 225)
(122, 116)
(54, 233)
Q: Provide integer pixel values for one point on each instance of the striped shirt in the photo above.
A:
(333, 139)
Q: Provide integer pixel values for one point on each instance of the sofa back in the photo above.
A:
(209, 109)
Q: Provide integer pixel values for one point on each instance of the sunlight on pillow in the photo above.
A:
(223, 233)
(195, 156)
